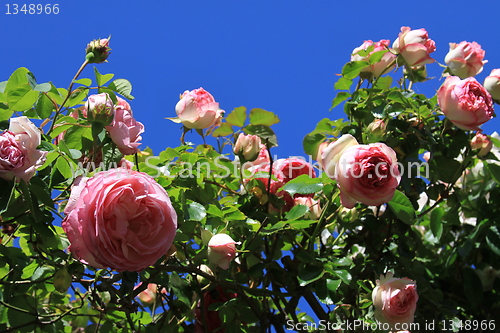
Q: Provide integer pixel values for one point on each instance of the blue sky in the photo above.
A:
(277, 55)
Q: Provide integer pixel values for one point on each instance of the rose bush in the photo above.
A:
(465, 103)
(119, 219)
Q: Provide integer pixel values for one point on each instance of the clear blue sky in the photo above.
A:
(277, 55)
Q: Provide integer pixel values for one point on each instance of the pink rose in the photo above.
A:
(120, 219)
(150, 295)
(248, 146)
(124, 130)
(368, 174)
(395, 300)
(221, 250)
(198, 109)
(331, 154)
(19, 156)
(465, 102)
(414, 46)
(481, 142)
(313, 205)
(492, 84)
(465, 59)
(99, 108)
(380, 66)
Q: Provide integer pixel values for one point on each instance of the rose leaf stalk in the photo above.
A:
(58, 111)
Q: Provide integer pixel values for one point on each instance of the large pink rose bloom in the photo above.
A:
(465, 59)
(198, 109)
(125, 131)
(380, 66)
(19, 157)
(466, 103)
(414, 46)
(120, 219)
(395, 300)
(368, 174)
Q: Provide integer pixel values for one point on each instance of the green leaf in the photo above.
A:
(296, 212)
(377, 56)
(102, 79)
(493, 239)
(303, 184)
(352, 69)
(341, 96)
(21, 98)
(494, 170)
(263, 117)
(123, 87)
(84, 82)
(343, 275)
(311, 143)
(309, 273)
(64, 168)
(224, 129)
(401, 207)
(195, 212)
(383, 83)
(27, 198)
(237, 117)
(262, 131)
(43, 87)
(437, 222)
(44, 107)
(343, 83)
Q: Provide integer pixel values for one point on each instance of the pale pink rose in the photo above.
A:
(248, 146)
(125, 131)
(426, 156)
(99, 108)
(319, 151)
(221, 250)
(465, 59)
(19, 156)
(395, 300)
(380, 66)
(482, 142)
(492, 84)
(120, 219)
(368, 174)
(415, 46)
(149, 295)
(331, 154)
(465, 102)
(198, 109)
(313, 205)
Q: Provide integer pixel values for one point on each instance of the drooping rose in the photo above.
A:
(465, 102)
(221, 250)
(124, 130)
(248, 146)
(395, 300)
(331, 154)
(198, 109)
(313, 205)
(492, 84)
(465, 59)
(379, 67)
(210, 319)
(414, 46)
(19, 156)
(482, 142)
(368, 174)
(121, 219)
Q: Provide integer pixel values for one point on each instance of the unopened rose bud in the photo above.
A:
(376, 130)
(313, 205)
(203, 281)
(492, 84)
(481, 142)
(100, 109)
(98, 50)
(247, 147)
(221, 250)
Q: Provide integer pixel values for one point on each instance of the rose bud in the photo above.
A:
(331, 154)
(98, 50)
(376, 130)
(313, 205)
(247, 147)
(395, 300)
(100, 109)
(466, 103)
(380, 67)
(465, 59)
(221, 250)
(481, 142)
(414, 46)
(198, 109)
(492, 84)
